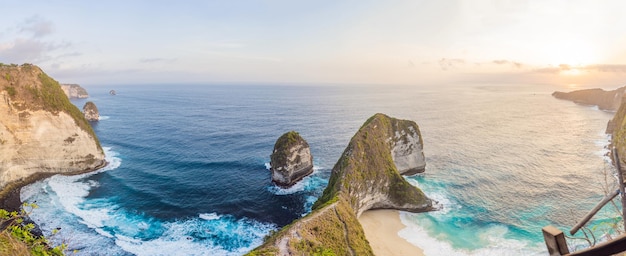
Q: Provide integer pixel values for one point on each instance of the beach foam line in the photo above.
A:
(494, 236)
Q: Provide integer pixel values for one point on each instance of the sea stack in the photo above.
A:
(41, 131)
(291, 159)
(366, 176)
(91, 112)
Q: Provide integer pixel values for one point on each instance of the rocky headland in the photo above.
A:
(291, 159)
(41, 131)
(605, 100)
(366, 176)
(74, 91)
(91, 112)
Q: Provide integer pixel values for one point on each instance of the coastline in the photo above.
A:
(10, 195)
(381, 229)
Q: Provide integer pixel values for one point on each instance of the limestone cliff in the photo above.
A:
(291, 159)
(40, 130)
(365, 177)
(91, 111)
(617, 129)
(74, 91)
(605, 100)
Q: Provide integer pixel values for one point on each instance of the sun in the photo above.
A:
(572, 51)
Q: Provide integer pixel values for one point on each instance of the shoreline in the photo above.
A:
(10, 195)
(381, 229)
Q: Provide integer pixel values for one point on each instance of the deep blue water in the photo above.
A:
(188, 169)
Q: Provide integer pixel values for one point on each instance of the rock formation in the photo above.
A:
(41, 131)
(365, 177)
(74, 91)
(91, 112)
(291, 159)
(605, 100)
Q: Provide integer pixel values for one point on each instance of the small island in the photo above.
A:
(291, 159)
(91, 112)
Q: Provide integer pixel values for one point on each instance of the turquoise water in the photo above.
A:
(188, 172)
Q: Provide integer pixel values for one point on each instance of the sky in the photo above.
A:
(323, 41)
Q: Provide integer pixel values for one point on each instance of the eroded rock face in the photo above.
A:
(367, 176)
(407, 150)
(91, 112)
(74, 91)
(291, 159)
(41, 134)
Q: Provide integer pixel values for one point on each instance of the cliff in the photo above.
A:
(366, 176)
(74, 91)
(41, 132)
(605, 100)
(291, 159)
(617, 129)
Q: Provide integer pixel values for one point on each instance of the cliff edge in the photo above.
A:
(367, 176)
(605, 100)
(41, 132)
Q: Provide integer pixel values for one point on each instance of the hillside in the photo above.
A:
(365, 177)
(41, 131)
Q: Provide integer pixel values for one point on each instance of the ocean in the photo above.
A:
(188, 166)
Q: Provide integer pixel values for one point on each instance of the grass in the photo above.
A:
(366, 166)
(32, 89)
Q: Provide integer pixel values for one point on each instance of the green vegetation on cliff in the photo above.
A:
(17, 238)
(32, 89)
(365, 177)
(617, 128)
(283, 144)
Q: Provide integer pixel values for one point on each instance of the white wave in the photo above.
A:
(209, 216)
(493, 236)
(192, 237)
(96, 225)
(104, 118)
(308, 183)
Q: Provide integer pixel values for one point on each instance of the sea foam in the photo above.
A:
(93, 226)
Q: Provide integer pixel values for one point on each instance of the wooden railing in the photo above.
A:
(555, 239)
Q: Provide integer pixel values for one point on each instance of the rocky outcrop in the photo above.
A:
(365, 177)
(91, 112)
(291, 159)
(74, 91)
(41, 131)
(605, 100)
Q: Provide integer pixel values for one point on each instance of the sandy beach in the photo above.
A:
(381, 229)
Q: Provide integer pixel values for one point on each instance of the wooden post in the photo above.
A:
(620, 177)
(555, 241)
(593, 211)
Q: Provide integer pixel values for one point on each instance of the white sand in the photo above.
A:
(381, 230)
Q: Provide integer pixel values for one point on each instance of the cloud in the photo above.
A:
(613, 68)
(604, 68)
(153, 60)
(29, 44)
(37, 26)
(447, 64)
(508, 62)
(22, 50)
